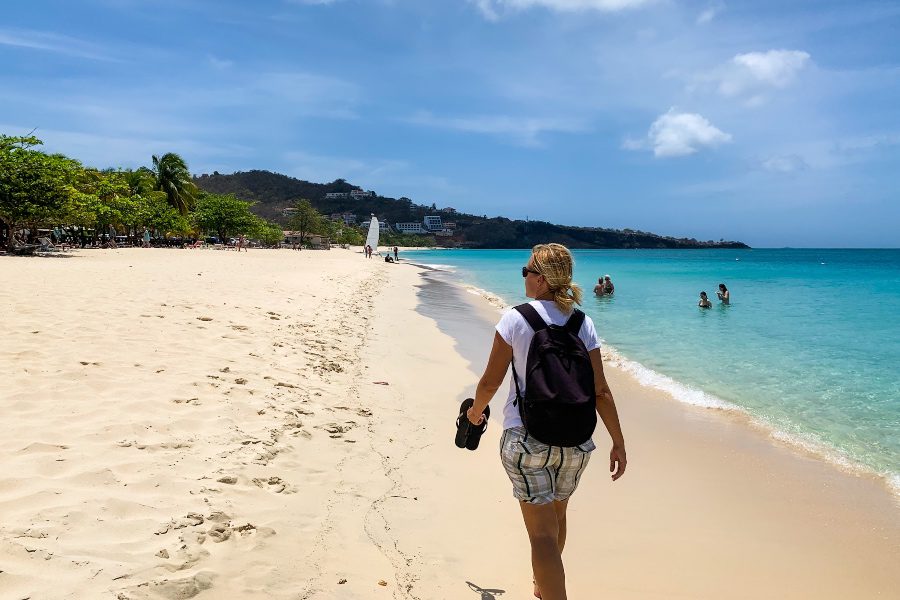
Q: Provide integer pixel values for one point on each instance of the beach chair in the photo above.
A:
(46, 245)
(23, 250)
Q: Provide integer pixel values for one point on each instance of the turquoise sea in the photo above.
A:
(810, 345)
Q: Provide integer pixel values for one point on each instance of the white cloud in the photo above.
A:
(492, 9)
(784, 163)
(220, 64)
(710, 13)
(53, 42)
(679, 134)
(522, 130)
(755, 70)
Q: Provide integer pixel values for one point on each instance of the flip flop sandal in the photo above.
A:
(467, 434)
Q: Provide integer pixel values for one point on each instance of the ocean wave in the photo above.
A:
(492, 298)
(647, 377)
(431, 266)
(807, 443)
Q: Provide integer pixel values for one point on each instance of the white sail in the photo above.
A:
(372, 238)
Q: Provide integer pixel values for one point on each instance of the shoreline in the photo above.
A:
(741, 463)
(279, 425)
(807, 444)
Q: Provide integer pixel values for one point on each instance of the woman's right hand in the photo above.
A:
(617, 461)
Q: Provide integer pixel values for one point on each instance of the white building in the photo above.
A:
(416, 228)
(383, 227)
(335, 195)
(289, 212)
(433, 223)
(357, 194)
(347, 218)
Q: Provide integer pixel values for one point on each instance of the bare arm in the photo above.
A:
(494, 372)
(606, 408)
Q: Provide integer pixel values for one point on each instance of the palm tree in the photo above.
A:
(173, 178)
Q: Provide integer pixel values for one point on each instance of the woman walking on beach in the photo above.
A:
(545, 473)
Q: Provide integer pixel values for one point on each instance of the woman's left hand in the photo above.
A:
(473, 418)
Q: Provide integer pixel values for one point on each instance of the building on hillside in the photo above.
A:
(290, 211)
(449, 209)
(347, 218)
(444, 233)
(357, 194)
(383, 226)
(433, 223)
(414, 228)
(448, 225)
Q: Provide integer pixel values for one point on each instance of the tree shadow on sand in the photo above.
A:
(485, 593)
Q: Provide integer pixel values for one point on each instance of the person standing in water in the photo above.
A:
(544, 477)
(723, 294)
(704, 301)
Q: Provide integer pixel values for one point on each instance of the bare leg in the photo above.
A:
(546, 560)
(560, 508)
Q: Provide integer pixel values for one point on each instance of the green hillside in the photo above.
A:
(274, 192)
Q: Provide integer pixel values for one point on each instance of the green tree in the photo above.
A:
(224, 215)
(269, 233)
(171, 176)
(307, 219)
(34, 186)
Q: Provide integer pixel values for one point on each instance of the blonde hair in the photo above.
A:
(555, 263)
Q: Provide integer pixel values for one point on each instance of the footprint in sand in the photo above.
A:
(273, 484)
(194, 401)
(240, 327)
(204, 318)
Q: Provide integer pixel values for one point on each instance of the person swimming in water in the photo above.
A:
(704, 301)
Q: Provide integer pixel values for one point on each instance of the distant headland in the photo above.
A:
(275, 194)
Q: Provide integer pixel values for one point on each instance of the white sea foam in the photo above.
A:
(492, 299)
(439, 267)
(677, 390)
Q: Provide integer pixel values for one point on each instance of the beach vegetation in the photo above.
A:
(270, 234)
(307, 220)
(225, 215)
(172, 177)
(34, 186)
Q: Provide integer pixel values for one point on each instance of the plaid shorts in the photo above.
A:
(540, 473)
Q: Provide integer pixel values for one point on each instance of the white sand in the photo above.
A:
(204, 423)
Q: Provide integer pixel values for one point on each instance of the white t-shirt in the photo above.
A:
(516, 332)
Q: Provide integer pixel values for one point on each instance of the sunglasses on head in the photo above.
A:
(526, 271)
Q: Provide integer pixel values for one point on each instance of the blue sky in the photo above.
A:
(776, 123)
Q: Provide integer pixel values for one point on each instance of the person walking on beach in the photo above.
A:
(704, 301)
(723, 294)
(146, 243)
(545, 472)
(396, 257)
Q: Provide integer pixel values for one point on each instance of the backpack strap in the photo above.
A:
(531, 315)
(575, 322)
(536, 323)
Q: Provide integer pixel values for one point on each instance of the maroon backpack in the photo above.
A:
(559, 407)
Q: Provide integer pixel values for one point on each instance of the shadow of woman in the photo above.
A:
(485, 594)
